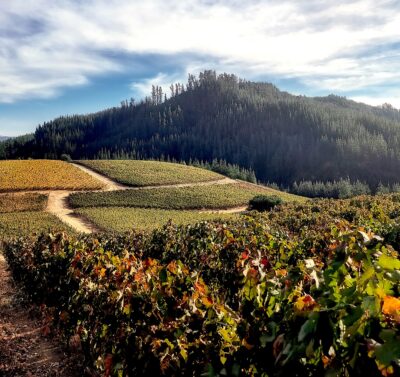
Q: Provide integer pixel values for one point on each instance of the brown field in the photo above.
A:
(31, 175)
(21, 202)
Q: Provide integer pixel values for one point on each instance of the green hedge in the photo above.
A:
(263, 203)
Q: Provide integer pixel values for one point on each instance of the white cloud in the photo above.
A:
(379, 100)
(327, 45)
(161, 79)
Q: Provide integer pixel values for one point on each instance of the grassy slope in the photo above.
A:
(213, 196)
(150, 173)
(43, 175)
(123, 219)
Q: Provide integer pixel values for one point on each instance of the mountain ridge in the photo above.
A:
(284, 138)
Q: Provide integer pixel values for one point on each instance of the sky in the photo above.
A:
(61, 57)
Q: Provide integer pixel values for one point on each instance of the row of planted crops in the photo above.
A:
(307, 289)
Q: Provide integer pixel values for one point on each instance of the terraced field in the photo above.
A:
(122, 219)
(196, 197)
(139, 173)
(31, 175)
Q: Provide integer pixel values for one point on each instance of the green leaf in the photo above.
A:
(264, 339)
(163, 275)
(389, 263)
(390, 350)
(308, 328)
(366, 275)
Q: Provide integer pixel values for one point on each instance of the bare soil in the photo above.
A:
(24, 350)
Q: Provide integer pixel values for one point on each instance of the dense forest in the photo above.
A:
(281, 137)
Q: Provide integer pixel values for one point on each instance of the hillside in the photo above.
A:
(116, 195)
(282, 137)
(2, 138)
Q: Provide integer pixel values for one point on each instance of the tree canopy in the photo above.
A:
(281, 137)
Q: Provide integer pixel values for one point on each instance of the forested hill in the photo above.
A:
(284, 138)
(2, 138)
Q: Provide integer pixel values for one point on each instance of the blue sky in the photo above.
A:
(67, 56)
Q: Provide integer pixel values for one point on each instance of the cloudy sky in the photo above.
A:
(69, 56)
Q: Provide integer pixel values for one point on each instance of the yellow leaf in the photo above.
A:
(127, 309)
(225, 335)
(305, 303)
(184, 354)
(391, 307)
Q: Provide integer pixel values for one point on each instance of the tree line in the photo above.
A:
(280, 137)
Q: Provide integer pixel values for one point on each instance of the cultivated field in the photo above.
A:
(150, 173)
(196, 197)
(30, 175)
(16, 224)
(309, 287)
(22, 202)
(124, 219)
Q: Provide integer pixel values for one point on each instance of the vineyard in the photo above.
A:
(122, 219)
(22, 202)
(30, 175)
(306, 289)
(196, 197)
(150, 173)
(28, 223)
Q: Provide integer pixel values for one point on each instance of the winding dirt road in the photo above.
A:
(111, 185)
(58, 206)
(58, 200)
(23, 349)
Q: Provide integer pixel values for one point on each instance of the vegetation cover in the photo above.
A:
(211, 196)
(283, 138)
(17, 224)
(122, 219)
(22, 202)
(32, 175)
(281, 293)
(150, 173)
(230, 170)
(264, 202)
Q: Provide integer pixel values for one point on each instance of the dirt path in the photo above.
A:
(228, 210)
(58, 199)
(111, 185)
(24, 351)
(57, 205)
(223, 181)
